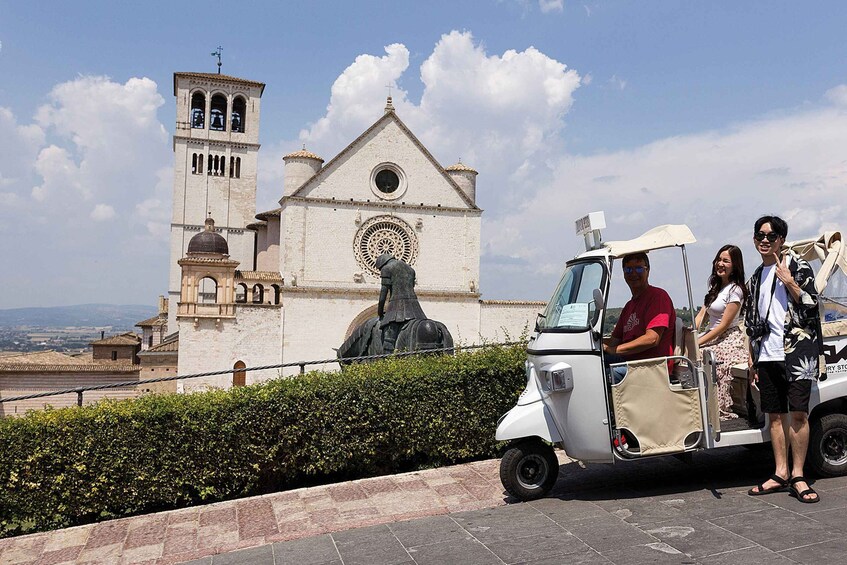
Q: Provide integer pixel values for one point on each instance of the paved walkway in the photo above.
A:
(659, 510)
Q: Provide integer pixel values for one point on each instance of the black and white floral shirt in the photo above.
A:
(802, 337)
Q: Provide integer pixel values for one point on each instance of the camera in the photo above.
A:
(758, 330)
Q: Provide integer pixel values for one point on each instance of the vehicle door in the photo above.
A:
(565, 356)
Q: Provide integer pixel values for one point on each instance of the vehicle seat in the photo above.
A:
(660, 415)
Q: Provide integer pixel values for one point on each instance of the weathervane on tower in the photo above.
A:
(217, 53)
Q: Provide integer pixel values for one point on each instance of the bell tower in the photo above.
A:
(216, 145)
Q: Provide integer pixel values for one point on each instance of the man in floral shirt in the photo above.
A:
(783, 323)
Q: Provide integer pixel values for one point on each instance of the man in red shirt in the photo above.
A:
(646, 326)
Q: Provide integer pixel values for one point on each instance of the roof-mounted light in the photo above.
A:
(589, 226)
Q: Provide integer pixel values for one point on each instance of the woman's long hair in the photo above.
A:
(737, 275)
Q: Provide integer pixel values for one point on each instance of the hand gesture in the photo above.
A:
(783, 273)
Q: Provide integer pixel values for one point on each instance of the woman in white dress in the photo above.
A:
(721, 311)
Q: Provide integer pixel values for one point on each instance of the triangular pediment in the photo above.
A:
(387, 145)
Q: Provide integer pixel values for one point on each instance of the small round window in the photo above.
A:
(387, 181)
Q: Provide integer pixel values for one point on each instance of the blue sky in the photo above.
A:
(657, 112)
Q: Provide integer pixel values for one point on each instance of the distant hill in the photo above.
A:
(97, 315)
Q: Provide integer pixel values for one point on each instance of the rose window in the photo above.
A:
(384, 234)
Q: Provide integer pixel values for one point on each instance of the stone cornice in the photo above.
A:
(361, 204)
(374, 291)
(213, 142)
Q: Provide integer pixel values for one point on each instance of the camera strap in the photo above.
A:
(770, 302)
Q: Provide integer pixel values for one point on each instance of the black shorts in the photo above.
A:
(777, 393)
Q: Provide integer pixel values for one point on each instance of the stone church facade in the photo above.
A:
(289, 284)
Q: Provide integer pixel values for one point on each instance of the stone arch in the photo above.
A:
(241, 293)
(207, 290)
(239, 375)
(198, 110)
(239, 111)
(277, 291)
(361, 317)
(217, 113)
(258, 294)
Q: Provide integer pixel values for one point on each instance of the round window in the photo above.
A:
(387, 181)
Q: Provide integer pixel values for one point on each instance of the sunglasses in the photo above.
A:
(770, 236)
(630, 270)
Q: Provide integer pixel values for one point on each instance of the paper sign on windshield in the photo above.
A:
(574, 315)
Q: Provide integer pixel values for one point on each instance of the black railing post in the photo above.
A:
(302, 368)
(79, 398)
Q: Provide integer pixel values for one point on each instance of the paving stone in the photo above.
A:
(565, 511)
(832, 551)
(65, 555)
(201, 561)
(254, 556)
(69, 537)
(587, 557)
(521, 549)
(466, 552)
(101, 554)
(108, 533)
(143, 553)
(639, 511)
(776, 529)
(218, 514)
(311, 551)
(149, 531)
(755, 555)
(370, 546)
(255, 519)
(504, 523)
(708, 504)
(658, 552)
(379, 486)
(697, 538)
(424, 531)
(834, 519)
(608, 532)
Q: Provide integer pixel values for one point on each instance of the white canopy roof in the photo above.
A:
(657, 238)
(828, 248)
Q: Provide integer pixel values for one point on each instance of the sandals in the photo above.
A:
(781, 485)
(801, 496)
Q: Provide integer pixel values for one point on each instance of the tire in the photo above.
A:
(529, 470)
(828, 445)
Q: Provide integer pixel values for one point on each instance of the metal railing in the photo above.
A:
(301, 364)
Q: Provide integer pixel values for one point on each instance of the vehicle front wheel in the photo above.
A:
(529, 470)
(828, 445)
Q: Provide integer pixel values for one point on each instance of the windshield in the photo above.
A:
(572, 306)
(834, 297)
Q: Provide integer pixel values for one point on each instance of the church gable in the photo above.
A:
(386, 164)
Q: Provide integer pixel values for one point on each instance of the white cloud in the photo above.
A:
(617, 82)
(838, 95)
(102, 213)
(548, 6)
(94, 141)
(717, 182)
(502, 114)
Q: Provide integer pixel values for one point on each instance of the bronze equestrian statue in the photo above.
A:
(401, 325)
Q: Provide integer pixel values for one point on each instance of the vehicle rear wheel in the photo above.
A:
(529, 470)
(828, 445)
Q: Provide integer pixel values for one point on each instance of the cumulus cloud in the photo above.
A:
(548, 6)
(500, 113)
(717, 182)
(102, 213)
(94, 152)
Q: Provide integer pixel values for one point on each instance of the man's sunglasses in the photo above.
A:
(630, 270)
(770, 236)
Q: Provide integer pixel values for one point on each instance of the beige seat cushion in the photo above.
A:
(658, 416)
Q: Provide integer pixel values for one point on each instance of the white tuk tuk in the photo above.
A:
(669, 405)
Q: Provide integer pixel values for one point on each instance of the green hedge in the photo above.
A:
(72, 466)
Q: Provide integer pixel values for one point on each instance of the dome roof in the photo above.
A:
(461, 167)
(303, 154)
(208, 241)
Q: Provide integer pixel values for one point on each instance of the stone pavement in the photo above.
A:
(655, 511)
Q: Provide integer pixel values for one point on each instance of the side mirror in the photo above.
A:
(599, 301)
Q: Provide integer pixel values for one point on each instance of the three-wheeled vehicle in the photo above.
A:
(667, 405)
